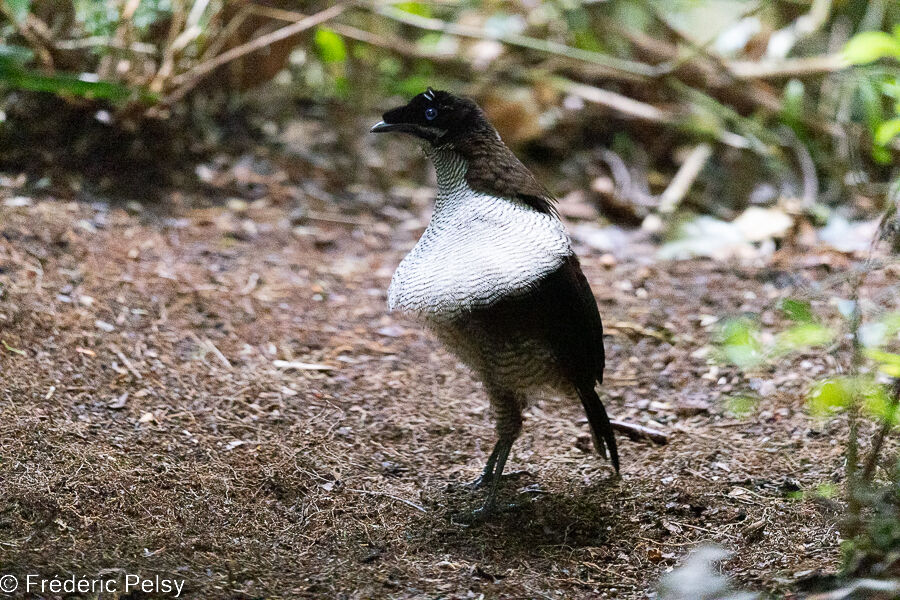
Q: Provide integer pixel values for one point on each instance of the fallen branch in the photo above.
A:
(636, 432)
(684, 178)
(126, 362)
(300, 366)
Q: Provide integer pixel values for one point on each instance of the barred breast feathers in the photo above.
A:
(476, 250)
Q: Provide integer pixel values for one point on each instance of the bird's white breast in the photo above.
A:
(476, 250)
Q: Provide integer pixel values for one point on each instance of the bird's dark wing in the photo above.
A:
(560, 309)
(575, 334)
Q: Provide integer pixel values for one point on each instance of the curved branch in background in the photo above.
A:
(807, 168)
(628, 107)
(782, 41)
(187, 81)
(789, 67)
(614, 67)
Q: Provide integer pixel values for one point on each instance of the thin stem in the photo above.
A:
(186, 82)
(878, 441)
(616, 66)
(852, 457)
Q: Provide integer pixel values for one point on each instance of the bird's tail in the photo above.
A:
(600, 425)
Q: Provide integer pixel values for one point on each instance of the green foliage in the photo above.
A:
(878, 87)
(869, 46)
(873, 523)
(330, 45)
(740, 343)
(888, 362)
(17, 9)
(416, 8)
(741, 406)
(799, 311)
(793, 102)
(14, 74)
(831, 395)
(66, 85)
(801, 337)
(740, 339)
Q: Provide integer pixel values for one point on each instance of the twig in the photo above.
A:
(218, 353)
(397, 45)
(34, 31)
(226, 32)
(807, 169)
(636, 432)
(791, 67)
(622, 104)
(126, 362)
(854, 505)
(781, 42)
(878, 442)
(617, 67)
(409, 503)
(185, 82)
(99, 41)
(684, 178)
(168, 62)
(300, 366)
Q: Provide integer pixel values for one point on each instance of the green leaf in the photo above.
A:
(13, 350)
(870, 46)
(11, 54)
(801, 337)
(417, 8)
(798, 311)
(792, 101)
(888, 362)
(827, 490)
(67, 85)
(331, 46)
(741, 406)
(887, 131)
(879, 404)
(740, 343)
(17, 9)
(830, 395)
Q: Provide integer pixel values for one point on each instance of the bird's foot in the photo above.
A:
(486, 478)
(482, 514)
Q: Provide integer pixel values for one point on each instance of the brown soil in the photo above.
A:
(146, 426)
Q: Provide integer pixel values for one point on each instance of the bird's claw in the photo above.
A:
(486, 478)
(482, 514)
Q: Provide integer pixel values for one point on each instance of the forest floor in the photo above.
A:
(148, 426)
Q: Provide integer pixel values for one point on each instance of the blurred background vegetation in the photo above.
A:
(789, 103)
(718, 125)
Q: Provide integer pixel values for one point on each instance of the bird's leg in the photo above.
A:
(488, 474)
(509, 425)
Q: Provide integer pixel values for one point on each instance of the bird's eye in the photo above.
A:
(430, 113)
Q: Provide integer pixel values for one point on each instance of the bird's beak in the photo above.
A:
(382, 127)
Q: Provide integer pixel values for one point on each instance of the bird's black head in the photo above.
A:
(436, 117)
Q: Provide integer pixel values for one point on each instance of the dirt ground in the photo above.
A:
(149, 427)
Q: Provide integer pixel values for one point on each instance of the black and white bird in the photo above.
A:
(495, 278)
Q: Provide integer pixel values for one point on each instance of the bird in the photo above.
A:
(495, 278)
